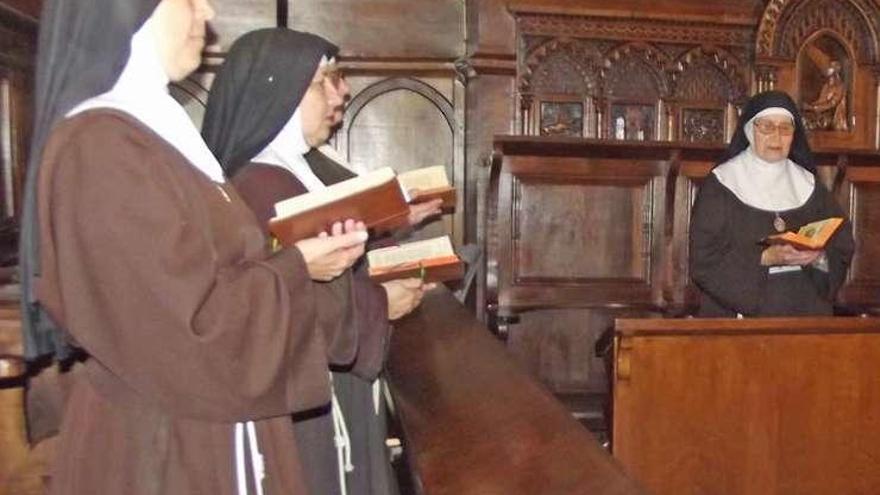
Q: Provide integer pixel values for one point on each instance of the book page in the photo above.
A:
(423, 178)
(350, 187)
(814, 229)
(411, 252)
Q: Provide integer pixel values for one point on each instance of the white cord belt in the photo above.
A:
(248, 431)
(342, 441)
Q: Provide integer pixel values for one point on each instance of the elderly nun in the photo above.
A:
(766, 184)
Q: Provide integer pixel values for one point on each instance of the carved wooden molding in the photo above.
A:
(589, 67)
(597, 27)
(787, 24)
(563, 56)
(732, 70)
(627, 54)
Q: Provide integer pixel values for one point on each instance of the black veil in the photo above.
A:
(83, 48)
(800, 152)
(257, 90)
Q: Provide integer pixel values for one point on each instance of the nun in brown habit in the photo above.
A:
(200, 343)
(273, 102)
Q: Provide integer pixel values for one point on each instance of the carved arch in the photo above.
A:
(787, 24)
(399, 83)
(728, 70)
(582, 64)
(621, 61)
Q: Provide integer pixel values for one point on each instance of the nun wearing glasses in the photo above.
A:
(766, 184)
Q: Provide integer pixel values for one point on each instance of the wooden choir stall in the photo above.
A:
(754, 406)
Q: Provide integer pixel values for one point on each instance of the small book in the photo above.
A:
(429, 183)
(811, 236)
(374, 198)
(432, 260)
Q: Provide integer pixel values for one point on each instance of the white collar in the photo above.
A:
(287, 150)
(142, 92)
(764, 185)
(289, 146)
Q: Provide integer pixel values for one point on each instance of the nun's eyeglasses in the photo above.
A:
(768, 128)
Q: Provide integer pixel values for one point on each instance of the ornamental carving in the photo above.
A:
(786, 25)
(562, 66)
(702, 125)
(710, 74)
(702, 82)
(595, 27)
(636, 71)
(842, 17)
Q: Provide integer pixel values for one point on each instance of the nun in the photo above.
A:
(274, 101)
(766, 184)
(199, 343)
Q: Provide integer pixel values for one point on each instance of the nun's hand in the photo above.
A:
(328, 255)
(784, 254)
(418, 212)
(404, 295)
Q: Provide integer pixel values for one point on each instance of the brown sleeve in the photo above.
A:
(141, 287)
(374, 330)
(261, 186)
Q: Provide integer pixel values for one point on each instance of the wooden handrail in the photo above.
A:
(474, 422)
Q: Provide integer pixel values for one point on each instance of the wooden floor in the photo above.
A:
(22, 468)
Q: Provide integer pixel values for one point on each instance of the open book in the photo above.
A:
(432, 260)
(374, 198)
(431, 183)
(813, 235)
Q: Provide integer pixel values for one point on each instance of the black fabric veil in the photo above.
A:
(83, 48)
(257, 90)
(800, 152)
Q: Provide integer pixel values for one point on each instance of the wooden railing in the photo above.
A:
(474, 422)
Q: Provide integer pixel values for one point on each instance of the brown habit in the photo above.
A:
(163, 277)
(261, 186)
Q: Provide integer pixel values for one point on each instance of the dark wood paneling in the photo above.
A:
(29, 8)
(580, 230)
(385, 28)
(860, 192)
(555, 247)
(389, 124)
(553, 215)
(755, 406)
(557, 347)
(237, 17)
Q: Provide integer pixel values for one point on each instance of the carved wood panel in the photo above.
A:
(861, 193)
(407, 123)
(558, 347)
(643, 65)
(754, 406)
(549, 241)
(553, 214)
(823, 52)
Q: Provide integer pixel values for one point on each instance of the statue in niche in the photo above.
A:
(822, 75)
